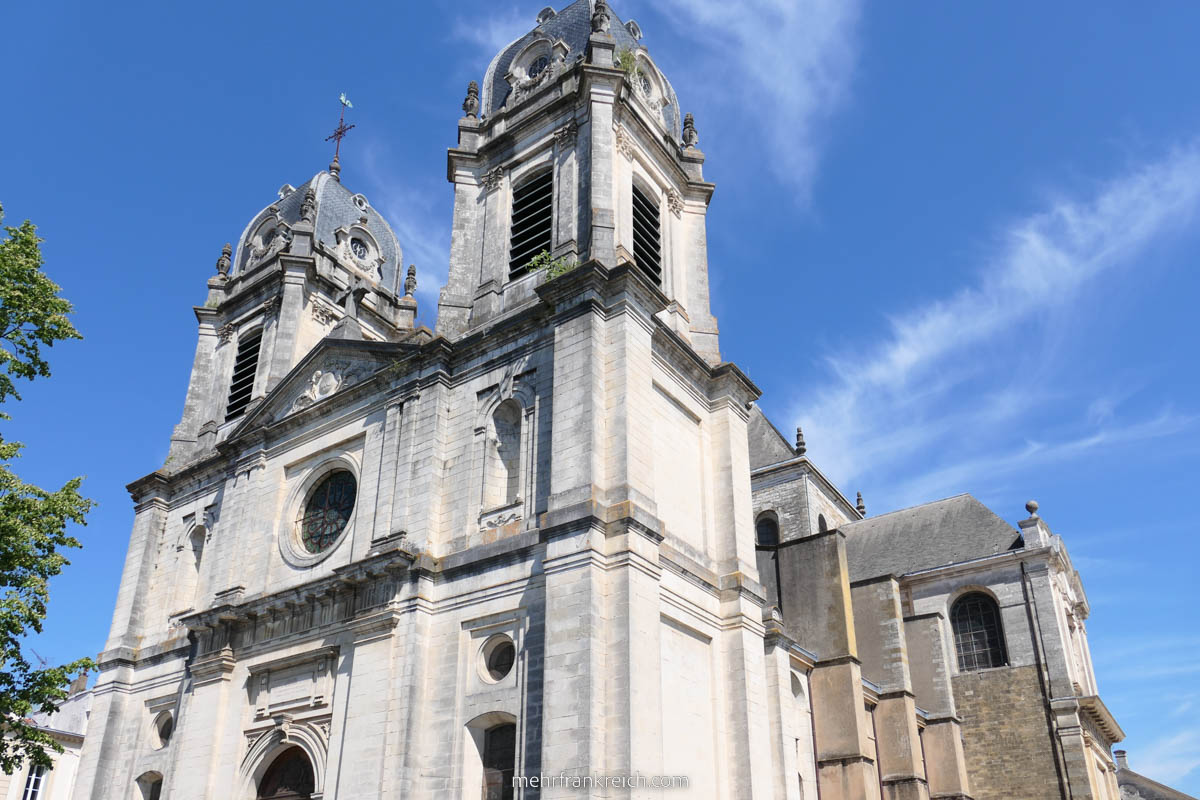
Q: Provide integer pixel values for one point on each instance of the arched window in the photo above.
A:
(502, 462)
(647, 239)
(245, 365)
(499, 761)
(150, 786)
(766, 529)
(822, 525)
(290, 777)
(532, 221)
(978, 636)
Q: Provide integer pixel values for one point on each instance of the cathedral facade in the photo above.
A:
(553, 548)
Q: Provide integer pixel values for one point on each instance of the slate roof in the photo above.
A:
(573, 25)
(767, 444)
(1138, 787)
(949, 531)
(335, 208)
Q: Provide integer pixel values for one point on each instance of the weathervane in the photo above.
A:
(338, 134)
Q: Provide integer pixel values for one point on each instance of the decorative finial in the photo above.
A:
(339, 133)
(410, 283)
(471, 104)
(801, 448)
(861, 506)
(690, 137)
(224, 260)
(308, 208)
(600, 17)
(1032, 507)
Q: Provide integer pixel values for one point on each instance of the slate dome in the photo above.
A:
(336, 208)
(572, 26)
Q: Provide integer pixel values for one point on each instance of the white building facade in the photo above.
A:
(384, 561)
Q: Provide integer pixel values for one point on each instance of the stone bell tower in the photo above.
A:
(319, 260)
(575, 147)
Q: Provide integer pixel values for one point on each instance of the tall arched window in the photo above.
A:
(499, 761)
(502, 462)
(290, 777)
(647, 238)
(532, 221)
(766, 529)
(978, 635)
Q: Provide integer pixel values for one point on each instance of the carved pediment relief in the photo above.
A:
(330, 377)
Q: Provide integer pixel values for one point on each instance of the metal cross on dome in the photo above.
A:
(342, 129)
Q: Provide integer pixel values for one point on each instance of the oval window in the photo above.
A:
(499, 654)
(327, 511)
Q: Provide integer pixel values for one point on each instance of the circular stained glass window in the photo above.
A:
(538, 66)
(327, 511)
(359, 248)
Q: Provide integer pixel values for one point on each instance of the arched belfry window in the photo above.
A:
(978, 635)
(532, 221)
(290, 777)
(766, 529)
(245, 365)
(647, 235)
(502, 462)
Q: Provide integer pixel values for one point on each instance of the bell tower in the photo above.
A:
(319, 261)
(575, 150)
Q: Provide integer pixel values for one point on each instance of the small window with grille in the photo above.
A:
(244, 366)
(532, 222)
(978, 636)
(647, 248)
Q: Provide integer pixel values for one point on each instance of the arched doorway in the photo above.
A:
(290, 777)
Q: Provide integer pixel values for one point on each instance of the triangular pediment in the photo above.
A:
(329, 370)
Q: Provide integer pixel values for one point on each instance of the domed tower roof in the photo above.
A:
(339, 218)
(572, 26)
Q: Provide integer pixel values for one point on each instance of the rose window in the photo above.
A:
(327, 511)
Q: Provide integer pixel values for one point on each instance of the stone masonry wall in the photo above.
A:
(1007, 745)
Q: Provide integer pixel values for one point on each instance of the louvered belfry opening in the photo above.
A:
(532, 222)
(647, 247)
(244, 367)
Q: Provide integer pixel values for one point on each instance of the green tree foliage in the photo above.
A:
(33, 522)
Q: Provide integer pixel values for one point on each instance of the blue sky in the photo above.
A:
(956, 241)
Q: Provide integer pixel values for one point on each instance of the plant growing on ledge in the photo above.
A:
(627, 61)
(552, 267)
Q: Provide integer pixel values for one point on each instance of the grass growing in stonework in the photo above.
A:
(552, 267)
(626, 60)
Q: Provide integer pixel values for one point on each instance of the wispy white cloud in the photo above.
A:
(497, 29)
(942, 373)
(1169, 758)
(789, 62)
(420, 218)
